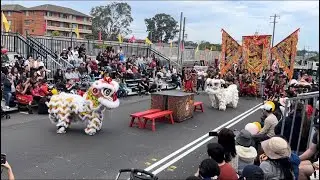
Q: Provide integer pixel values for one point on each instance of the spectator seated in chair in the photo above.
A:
(23, 94)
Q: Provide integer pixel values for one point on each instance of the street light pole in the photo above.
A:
(183, 36)
(179, 40)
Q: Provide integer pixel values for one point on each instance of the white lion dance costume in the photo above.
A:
(65, 108)
(221, 97)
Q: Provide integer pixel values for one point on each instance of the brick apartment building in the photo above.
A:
(44, 19)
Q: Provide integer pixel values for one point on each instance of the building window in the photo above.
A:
(49, 13)
(27, 22)
(74, 25)
(61, 15)
(85, 19)
(32, 30)
(61, 24)
(10, 22)
(9, 13)
(27, 13)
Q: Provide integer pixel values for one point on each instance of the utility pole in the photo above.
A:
(274, 28)
(151, 35)
(179, 40)
(182, 45)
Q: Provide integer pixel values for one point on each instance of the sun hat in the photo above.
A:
(276, 148)
(246, 154)
(252, 172)
(244, 138)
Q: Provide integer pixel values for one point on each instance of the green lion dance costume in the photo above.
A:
(65, 108)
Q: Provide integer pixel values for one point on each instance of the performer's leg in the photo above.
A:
(93, 126)
(213, 101)
(222, 104)
(63, 123)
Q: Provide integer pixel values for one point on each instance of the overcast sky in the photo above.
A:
(204, 19)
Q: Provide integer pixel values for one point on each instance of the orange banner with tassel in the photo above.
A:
(256, 50)
(285, 52)
(230, 52)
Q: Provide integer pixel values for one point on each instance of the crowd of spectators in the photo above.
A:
(119, 67)
(23, 80)
(246, 156)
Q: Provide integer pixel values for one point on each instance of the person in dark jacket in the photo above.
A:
(82, 51)
(7, 83)
(298, 122)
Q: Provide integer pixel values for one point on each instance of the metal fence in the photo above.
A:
(306, 122)
(56, 44)
(188, 54)
(16, 43)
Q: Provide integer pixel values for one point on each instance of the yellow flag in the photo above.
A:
(197, 49)
(76, 30)
(171, 44)
(120, 38)
(5, 22)
(148, 41)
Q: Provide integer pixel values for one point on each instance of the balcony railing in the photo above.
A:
(55, 28)
(51, 18)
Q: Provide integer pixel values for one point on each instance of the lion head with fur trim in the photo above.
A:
(104, 92)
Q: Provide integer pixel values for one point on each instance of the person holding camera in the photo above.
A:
(7, 166)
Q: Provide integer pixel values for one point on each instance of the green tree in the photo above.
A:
(111, 20)
(55, 33)
(161, 27)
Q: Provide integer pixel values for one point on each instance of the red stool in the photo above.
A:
(198, 106)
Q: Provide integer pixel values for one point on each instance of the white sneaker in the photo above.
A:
(7, 107)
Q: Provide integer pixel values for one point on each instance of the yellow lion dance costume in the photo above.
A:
(65, 108)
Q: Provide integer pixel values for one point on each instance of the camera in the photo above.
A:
(3, 158)
(213, 133)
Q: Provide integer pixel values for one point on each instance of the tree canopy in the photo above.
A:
(111, 20)
(162, 27)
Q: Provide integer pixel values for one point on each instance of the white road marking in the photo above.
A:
(197, 140)
(201, 143)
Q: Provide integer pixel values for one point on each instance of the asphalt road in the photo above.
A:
(35, 151)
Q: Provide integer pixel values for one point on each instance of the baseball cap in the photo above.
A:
(268, 107)
(252, 172)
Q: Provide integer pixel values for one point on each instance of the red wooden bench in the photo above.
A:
(198, 106)
(138, 115)
(155, 116)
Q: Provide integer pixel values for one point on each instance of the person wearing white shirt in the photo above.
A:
(68, 74)
(174, 70)
(200, 80)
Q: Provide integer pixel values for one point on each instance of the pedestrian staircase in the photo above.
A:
(24, 46)
(162, 56)
(53, 56)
